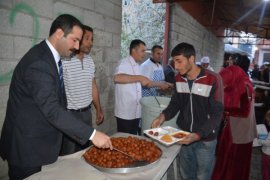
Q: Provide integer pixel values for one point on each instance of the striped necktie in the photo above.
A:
(60, 73)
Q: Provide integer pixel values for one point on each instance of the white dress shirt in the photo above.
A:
(127, 96)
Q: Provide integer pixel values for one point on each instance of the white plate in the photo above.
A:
(162, 131)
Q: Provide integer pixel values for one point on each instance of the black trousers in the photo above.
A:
(128, 126)
(19, 173)
(69, 145)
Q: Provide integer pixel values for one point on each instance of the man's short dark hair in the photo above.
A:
(134, 44)
(65, 22)
(88, 28)
(184, 49)
(156, 47)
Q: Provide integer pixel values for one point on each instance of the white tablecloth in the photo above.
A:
(73, 167)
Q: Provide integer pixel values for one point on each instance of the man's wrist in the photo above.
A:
(161, 117)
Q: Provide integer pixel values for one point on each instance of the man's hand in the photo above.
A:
(99, 117)
(164, 86)
(192, 137)
(171, 85)
(101, 140)
(158, 121)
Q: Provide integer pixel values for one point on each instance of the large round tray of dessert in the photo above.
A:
(145, 155)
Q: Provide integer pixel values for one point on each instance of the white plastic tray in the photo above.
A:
(162, 131)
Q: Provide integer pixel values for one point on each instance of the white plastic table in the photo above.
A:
(73, 166)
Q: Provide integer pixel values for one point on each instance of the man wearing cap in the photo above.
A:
(205, 63)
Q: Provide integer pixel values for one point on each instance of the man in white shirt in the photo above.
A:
(128, 89)
(153, 70)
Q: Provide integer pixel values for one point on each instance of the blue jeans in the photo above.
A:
(197, 160)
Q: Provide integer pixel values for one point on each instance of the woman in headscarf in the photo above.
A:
(233, 154)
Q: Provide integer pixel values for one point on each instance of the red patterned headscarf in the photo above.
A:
(238, 90)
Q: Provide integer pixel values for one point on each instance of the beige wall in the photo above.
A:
(183, 28)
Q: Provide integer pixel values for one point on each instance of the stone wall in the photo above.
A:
(24, 23)
(184, 28)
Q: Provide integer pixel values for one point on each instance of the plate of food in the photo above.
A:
(166, 135)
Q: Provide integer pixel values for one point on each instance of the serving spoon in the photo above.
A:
(116, 149)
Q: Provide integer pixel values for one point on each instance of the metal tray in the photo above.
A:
(131, 168)
(134, 167)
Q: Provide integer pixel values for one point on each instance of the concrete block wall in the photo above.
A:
(24, 23)
(184, 28)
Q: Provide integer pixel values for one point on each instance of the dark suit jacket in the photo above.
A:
(36, 114)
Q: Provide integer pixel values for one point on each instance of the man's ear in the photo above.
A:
(192, 59)
(59, 33)
(133, 51)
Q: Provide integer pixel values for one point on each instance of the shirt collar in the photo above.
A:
(56, 55)
(86, 55)
(132, 60)
(151, 59)
(77, 58)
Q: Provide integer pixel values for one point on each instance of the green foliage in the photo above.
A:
(141, 19)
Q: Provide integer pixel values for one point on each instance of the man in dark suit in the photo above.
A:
(36, 116)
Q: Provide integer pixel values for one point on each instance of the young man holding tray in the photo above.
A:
(199, 98)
